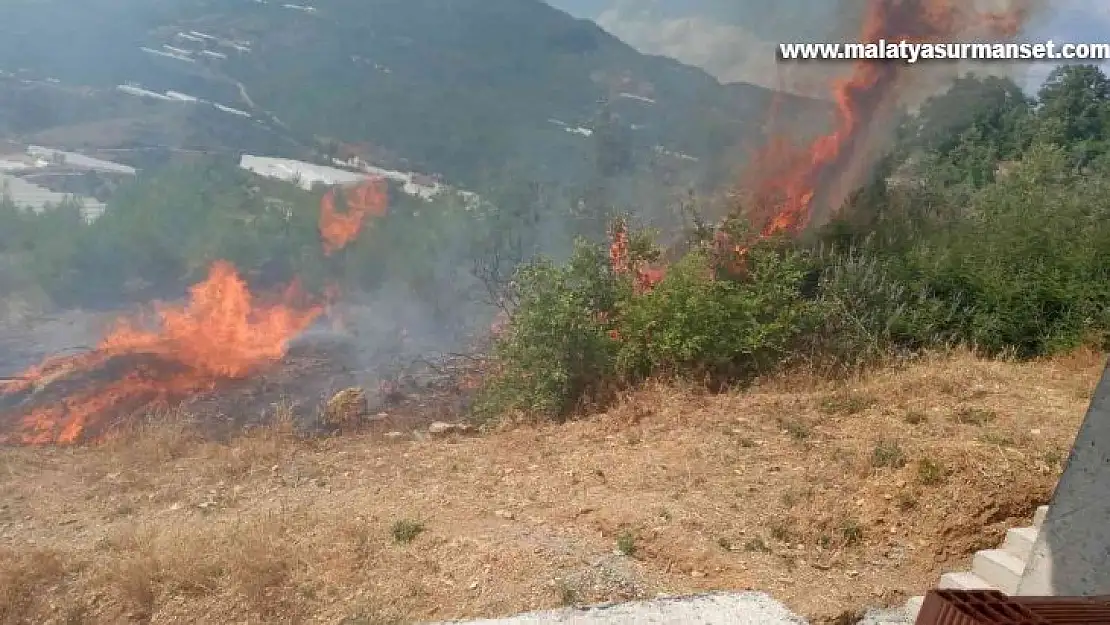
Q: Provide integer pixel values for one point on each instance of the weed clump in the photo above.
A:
(626, 544)
(404, 531)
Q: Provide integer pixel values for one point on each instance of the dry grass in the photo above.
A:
(23, 575)
(829, 496)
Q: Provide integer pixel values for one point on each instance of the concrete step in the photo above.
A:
(999, 569)
(963, 580)
(709, 609)
(901, 615)
(1019, 542)
(913, 607)
(1039, 516)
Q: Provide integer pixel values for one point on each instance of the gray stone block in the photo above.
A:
(1071, 556)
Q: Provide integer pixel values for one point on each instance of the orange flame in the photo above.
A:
(795, 187)
(339, 229)
(220, 333)
(645, 276)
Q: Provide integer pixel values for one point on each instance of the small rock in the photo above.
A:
(346, 409)
(473, 586)
(439, 428)
(394, 435)
(504, 514)
(697, 574)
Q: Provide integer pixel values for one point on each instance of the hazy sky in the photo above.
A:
(735, 39)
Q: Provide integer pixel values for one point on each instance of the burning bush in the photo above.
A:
(602, 321)
(1011, 265)
(695, 323)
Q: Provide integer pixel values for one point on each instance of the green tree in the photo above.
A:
(1075, 107)
(993, 108)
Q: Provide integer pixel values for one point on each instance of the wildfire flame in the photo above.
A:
(220, 333)
(339, 229)
(646, 277)
(795, 187)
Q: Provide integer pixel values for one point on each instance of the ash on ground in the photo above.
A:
(398, 392)
(402, 393)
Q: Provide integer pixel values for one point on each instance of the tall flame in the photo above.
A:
(339, 229)
(220, 333)
(795, 187)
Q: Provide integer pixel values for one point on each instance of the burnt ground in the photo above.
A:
(401, 395)
(404, 390)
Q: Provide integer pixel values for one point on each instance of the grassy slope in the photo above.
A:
(831, 497)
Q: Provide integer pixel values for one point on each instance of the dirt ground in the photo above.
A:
(831, 497)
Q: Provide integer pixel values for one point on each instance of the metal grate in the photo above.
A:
(990, 607)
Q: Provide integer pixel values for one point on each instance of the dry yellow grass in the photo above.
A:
(829, 496)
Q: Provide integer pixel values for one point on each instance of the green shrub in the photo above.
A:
(694, 324)
(866, 310)
(1029, 260)
(557, 349)
(581, 330)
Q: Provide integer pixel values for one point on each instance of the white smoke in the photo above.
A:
(738, 42)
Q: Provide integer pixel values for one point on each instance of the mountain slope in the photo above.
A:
(464, 87)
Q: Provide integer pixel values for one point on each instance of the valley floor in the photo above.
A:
(831, 497)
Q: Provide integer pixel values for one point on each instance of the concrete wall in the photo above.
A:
(1071, 556)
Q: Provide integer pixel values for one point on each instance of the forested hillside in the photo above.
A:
(473, 90)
